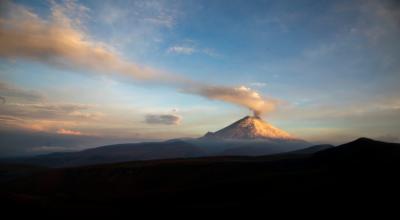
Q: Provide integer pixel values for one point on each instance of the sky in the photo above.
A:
(80, 74)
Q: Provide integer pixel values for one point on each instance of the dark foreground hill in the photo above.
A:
(361, 173)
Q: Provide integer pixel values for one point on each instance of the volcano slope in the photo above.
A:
(363, 172)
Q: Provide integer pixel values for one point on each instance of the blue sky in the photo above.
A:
(331, 66)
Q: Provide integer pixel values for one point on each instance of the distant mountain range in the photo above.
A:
(249, 136)
(362, 173)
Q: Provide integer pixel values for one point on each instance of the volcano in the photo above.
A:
(250, 128)
(249, 136)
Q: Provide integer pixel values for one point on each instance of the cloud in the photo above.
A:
(165, 119)
(242, 96)
(258, 84)
(189, 48)
(52, 118)
(181, 50)
(87, 115)
(9, 120)
(211, 52)
(68, 132)
(60, 41)
(9, 91)
(380, 20)
(158, 13)
(48, 111)
(26, 109)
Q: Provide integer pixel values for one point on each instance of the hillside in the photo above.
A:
(362, 172)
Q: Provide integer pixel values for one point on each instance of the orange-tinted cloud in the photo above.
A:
(60, 41)
(68, 132)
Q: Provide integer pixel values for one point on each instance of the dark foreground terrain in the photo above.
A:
(363, 173)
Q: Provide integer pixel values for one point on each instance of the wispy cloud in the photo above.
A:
(381, 18)
(68, 132)
(15, 93)
(258, 84)
(153, 13)
(61, 42)
(189, 47)
(139, 25)
(181, 50)
(211, 52)
(26, 109)
(49, 110)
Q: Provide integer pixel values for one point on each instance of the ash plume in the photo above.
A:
(242, 96)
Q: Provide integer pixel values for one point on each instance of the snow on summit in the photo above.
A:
(250, 127)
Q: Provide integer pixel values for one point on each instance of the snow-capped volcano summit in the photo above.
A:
(250, 127)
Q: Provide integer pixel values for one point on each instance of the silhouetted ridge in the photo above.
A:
(359, 150)
(364, 140)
